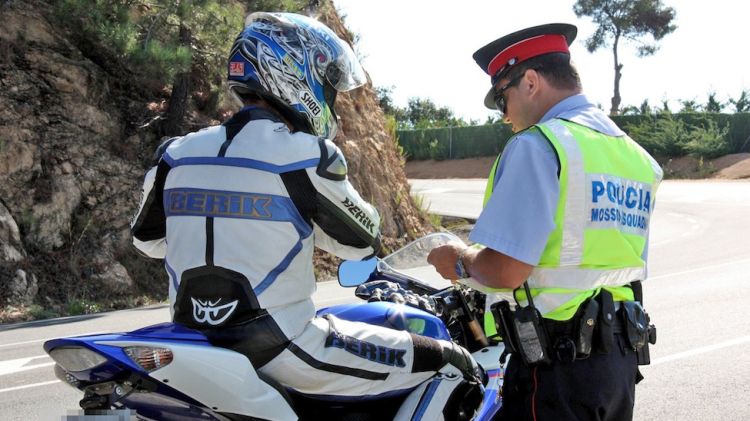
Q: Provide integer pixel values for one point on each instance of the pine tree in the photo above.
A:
(625, 20)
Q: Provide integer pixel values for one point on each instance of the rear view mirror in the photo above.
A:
(356, 272)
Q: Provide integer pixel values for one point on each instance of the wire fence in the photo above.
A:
(489, 140)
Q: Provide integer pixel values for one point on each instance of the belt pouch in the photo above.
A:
(503, 316)
(585, 329)
(606, 321)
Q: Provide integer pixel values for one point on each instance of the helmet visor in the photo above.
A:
(345, 73)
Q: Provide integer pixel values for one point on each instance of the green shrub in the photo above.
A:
(663, 135)
(38, 312)
(708, 142)
(671, 136)
(78, 307)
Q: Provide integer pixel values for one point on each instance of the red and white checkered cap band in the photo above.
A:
(526, 49)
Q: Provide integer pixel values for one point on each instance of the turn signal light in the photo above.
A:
(149, 358)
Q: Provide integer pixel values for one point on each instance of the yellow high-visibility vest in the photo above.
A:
(607, 188)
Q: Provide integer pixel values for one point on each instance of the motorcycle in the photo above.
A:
(169, 372)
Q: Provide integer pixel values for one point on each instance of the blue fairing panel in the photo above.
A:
(117, 361)
(170, 331)
(162, 331)
(394, 316)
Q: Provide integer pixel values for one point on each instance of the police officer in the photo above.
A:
(566, 219)
(236, 209)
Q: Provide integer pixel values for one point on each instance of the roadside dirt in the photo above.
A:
(735, 166)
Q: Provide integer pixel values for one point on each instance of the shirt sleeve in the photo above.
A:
(519, 216)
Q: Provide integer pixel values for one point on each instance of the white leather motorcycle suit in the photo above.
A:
(235, 211)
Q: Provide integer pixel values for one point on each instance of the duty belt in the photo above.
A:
(569, 340)
(593, 329)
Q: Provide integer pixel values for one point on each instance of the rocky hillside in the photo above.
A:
(75, 139)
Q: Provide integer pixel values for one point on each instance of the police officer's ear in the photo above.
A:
(530, 82)
(332, 162)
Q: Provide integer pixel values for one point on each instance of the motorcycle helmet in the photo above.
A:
(298, 65)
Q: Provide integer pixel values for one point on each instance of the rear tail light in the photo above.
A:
(149, 358)
(76, 358)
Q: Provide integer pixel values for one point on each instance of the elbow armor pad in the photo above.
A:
(332, 162)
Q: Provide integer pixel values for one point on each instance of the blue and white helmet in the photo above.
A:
(298, 65)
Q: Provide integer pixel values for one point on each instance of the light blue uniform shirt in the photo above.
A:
(519, 216)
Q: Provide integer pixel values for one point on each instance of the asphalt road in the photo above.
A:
(697, 295)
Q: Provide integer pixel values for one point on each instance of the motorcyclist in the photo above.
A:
(236, 209)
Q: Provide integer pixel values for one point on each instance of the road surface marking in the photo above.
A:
(18, 365)
(701, 350)
(718, 265)
(26, 386)
(436, 190)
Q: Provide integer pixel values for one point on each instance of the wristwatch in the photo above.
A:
(460, 269)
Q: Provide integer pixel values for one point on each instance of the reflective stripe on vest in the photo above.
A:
(602, 218)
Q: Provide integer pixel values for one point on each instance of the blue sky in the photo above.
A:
(423, 49)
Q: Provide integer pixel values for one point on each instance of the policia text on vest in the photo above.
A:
(616, 201)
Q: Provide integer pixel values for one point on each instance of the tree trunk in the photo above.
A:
(615, 110)
(173, 122)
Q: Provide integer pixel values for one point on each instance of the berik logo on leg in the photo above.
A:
(367, 350)
(210, 312)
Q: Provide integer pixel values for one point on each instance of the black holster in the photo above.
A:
(639, 331)
(644, 357)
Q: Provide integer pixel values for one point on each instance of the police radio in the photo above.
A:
(532, 337)
(523, 330)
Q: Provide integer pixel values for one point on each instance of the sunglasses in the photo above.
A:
(500, 93)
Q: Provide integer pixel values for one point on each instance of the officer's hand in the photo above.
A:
(444, 259)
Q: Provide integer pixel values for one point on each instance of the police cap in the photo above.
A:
(499, 56)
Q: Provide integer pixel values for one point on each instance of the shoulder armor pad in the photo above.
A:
(161, 149)
(332, 162)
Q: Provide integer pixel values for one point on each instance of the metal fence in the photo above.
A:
(489, 140)
(454, 142)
